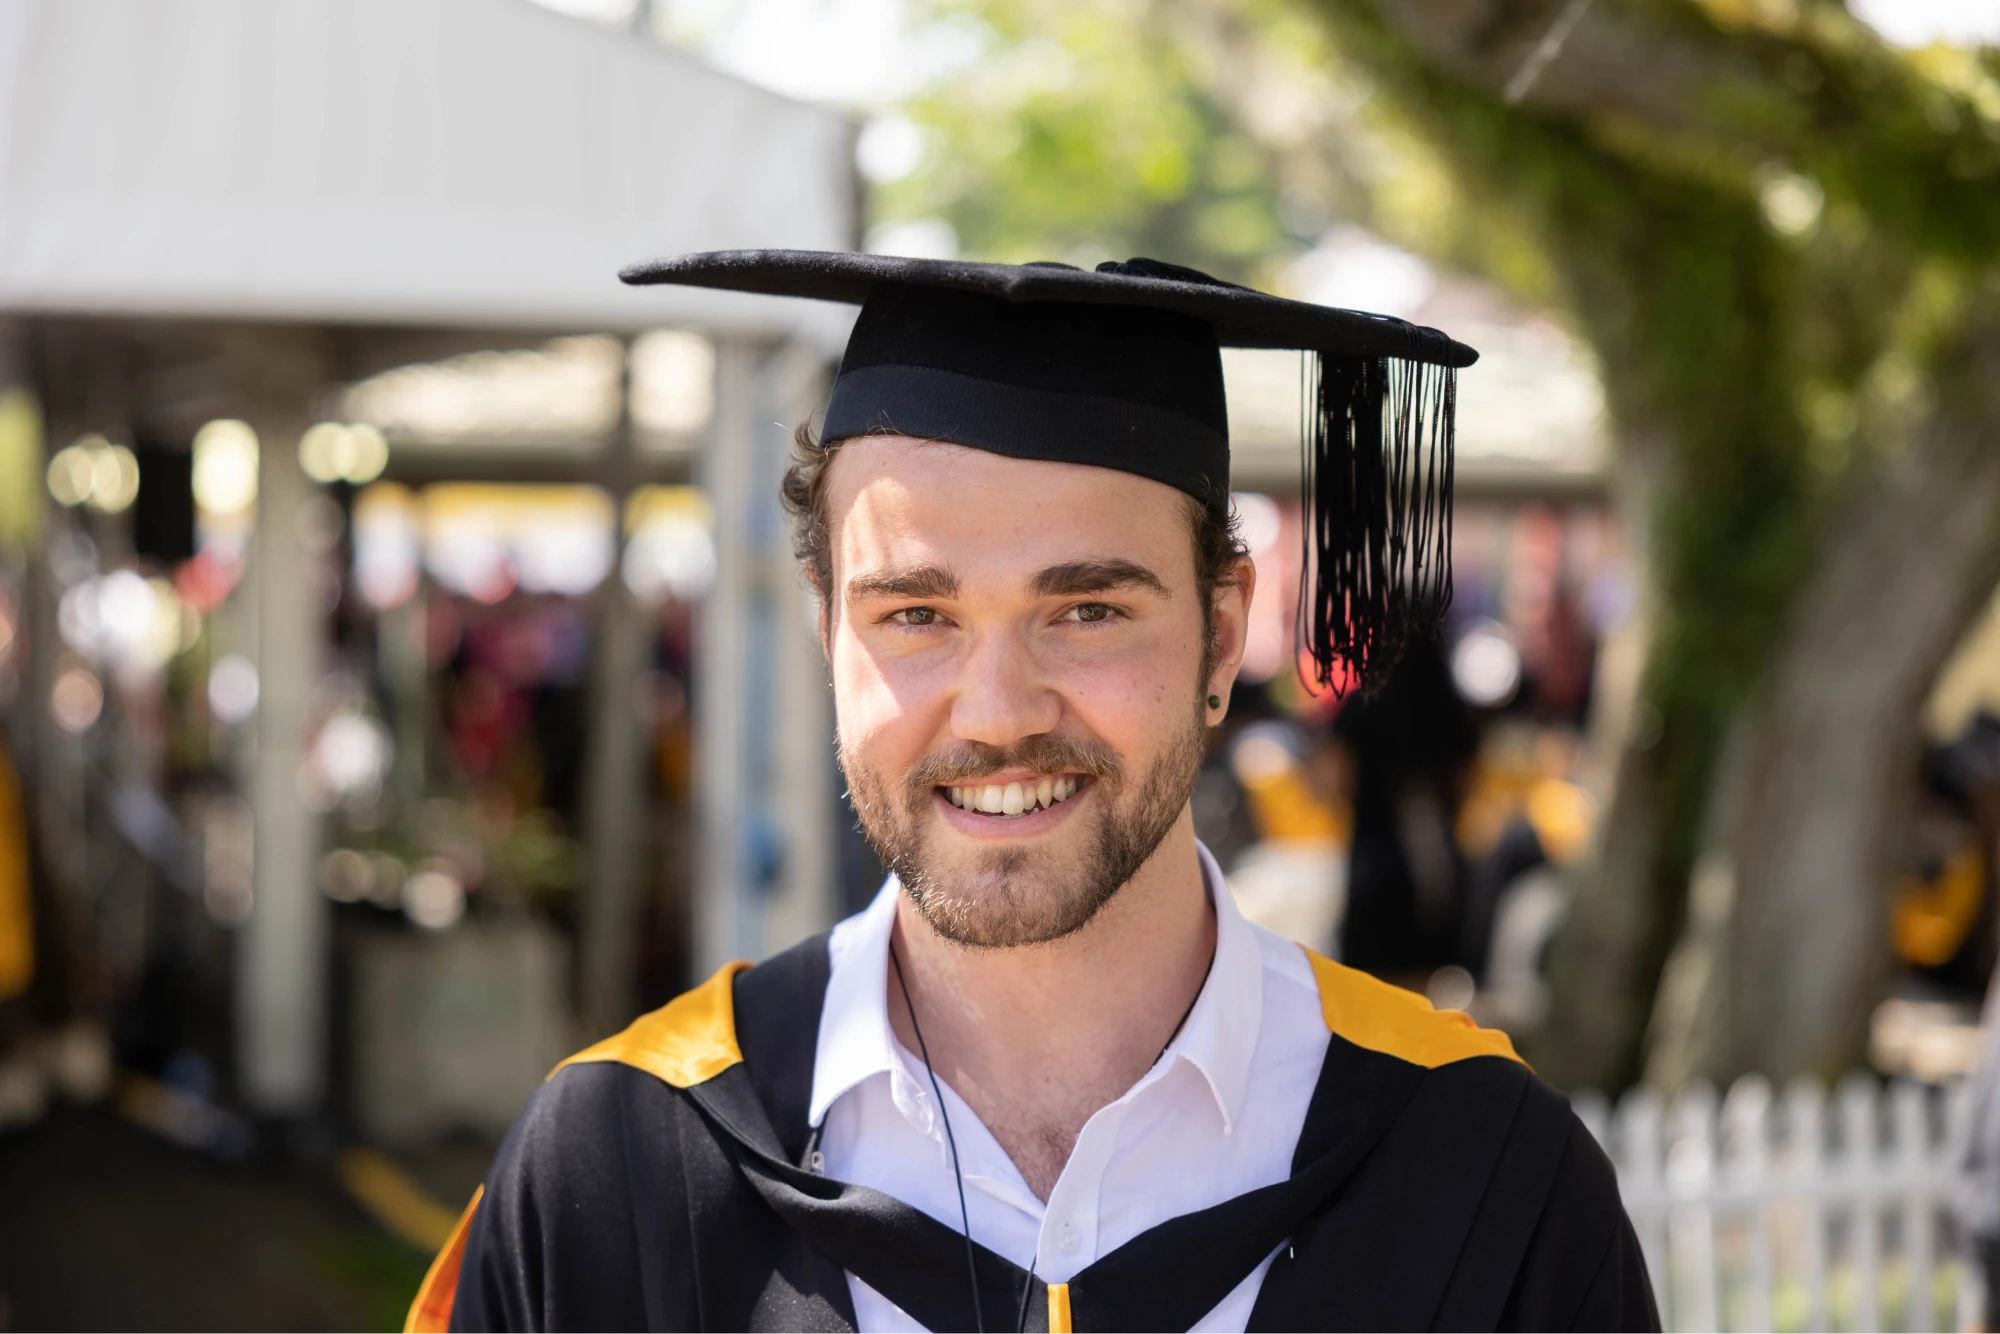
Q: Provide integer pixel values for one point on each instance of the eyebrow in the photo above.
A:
(1078, 577)
(925, 581)
(1071, 579)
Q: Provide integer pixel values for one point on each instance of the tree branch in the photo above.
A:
(1655, 72)
(1824, 96)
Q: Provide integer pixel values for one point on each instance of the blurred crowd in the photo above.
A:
(1420, 833)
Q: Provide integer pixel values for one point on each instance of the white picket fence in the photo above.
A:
(1796, 1211)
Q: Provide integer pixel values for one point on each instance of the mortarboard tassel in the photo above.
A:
(1377, 461)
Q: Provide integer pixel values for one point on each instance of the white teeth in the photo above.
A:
(1012, 799)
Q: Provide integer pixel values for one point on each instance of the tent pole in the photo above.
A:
(763, 720)
(283, 946)
(614, 781)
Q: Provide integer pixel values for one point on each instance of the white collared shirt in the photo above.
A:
(1188, 1135)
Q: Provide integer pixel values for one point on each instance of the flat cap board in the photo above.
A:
(1241, 317)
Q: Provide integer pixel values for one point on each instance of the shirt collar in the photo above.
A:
(855, 1040)
(1219, 1038)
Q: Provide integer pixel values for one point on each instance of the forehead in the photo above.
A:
(894, 501)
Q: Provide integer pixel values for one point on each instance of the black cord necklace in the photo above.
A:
(958, 1173)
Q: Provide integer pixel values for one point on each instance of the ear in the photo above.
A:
(1230, 617)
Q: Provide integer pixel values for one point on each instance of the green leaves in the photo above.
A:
(1092, 131)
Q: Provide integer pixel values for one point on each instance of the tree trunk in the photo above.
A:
(1610, 949)
(1830, 775)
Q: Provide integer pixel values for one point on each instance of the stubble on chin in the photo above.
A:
(1006, 898)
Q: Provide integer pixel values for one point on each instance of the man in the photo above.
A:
(1051, 1078)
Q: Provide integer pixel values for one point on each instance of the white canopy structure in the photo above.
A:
(254, 172)
(443, 162)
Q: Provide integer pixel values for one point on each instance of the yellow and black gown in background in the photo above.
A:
(17, 916)
(658, 1181)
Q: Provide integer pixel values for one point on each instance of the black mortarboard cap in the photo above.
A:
(1121, 368)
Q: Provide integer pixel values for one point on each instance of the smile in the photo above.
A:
(1010, 801)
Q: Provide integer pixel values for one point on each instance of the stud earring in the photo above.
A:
(1215, 701)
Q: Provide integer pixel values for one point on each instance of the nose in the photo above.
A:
(1001, 696)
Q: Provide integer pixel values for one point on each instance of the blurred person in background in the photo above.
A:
(1051, 1064)
(50, 1042)
(21, 1092)
(1942, 925)
(1411, 747)
(1288, 786)
(1942, 920)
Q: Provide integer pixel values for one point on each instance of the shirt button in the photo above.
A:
(1068, 1239)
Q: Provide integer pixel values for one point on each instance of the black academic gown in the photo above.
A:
(655, 1182)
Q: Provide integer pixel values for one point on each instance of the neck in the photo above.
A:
(1037, 1039)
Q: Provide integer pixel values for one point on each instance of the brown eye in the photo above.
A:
(1091, 612)
(920, 616)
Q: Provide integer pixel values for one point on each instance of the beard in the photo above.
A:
(1002, 898)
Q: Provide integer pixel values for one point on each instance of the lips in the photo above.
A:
(1012, 800)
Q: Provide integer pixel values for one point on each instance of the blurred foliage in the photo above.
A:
(1771, 232)
(1224, 134)
(1091, 131)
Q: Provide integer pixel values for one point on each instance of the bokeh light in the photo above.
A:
(232, 689)
(347, 761)
(125, 619)
(435, 896)
(1485, 665)
(345, 876)
(225, 467)
(77, 699)
(343, 452)
(670, 552)
(673, 381)
(388, 545)
(94, 472)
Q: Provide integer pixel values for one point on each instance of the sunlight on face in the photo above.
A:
(1017, 653)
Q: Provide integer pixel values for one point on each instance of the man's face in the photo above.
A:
(1017, 667)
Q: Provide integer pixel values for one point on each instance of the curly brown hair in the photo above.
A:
(1218, 548)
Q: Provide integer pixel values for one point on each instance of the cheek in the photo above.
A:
(884, 710)
(1142, 690)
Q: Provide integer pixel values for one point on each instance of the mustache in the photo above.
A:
(1043, 754)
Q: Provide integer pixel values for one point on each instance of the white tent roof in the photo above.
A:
(458, 162)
